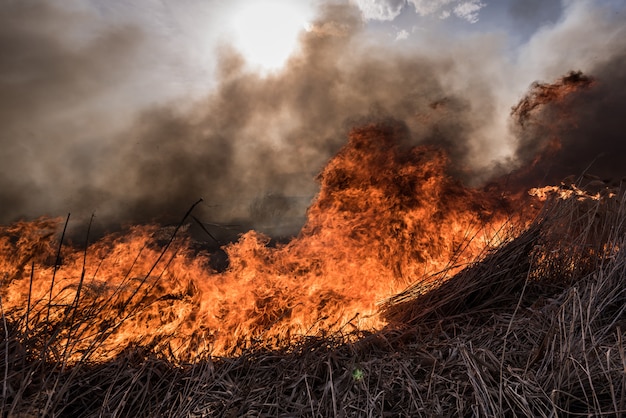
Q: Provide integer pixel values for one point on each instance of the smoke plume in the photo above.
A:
(82, 134)
(574, 127)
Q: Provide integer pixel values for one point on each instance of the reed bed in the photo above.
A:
(534, 328)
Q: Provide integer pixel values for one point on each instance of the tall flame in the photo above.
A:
(387, 214)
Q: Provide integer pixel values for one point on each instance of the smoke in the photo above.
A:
(73, 140)
(580, 132)
(587, 124)
(70, 83)
(46, 83)
(270, 135)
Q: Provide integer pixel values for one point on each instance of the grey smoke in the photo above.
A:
(72, 141)
(50, 122)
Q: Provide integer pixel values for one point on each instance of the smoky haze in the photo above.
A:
(588, 125)
(79, 135)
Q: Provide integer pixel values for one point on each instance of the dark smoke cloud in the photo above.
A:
(252, 147)
(588, 123)
(589, 126)
(50, 129)
(254, 137)
(260, 136)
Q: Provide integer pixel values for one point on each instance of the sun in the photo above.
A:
(266, 32)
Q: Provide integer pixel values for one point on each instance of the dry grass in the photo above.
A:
(535, 328)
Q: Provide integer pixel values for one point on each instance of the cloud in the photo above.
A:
(402, 35)
(468, 10)
(388, 10)
(429, 7)
(380, 9)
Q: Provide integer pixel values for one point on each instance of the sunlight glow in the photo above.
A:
(266, 32)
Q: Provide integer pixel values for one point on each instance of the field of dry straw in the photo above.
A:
(534, 328)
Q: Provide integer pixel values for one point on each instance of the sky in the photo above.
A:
(135, 110)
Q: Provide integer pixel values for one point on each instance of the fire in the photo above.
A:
(387, 214)
(594, 190)
(387, 217)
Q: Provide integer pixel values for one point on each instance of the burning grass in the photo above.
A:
(534, 328)
(387, 213)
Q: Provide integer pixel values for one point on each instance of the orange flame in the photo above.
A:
(387, 214)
